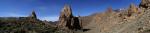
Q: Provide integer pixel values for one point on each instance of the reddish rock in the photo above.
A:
(109, 9)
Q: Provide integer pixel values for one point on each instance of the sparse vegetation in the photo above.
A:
(25, 27)
(121, 21)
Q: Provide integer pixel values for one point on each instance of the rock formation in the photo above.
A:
(109, 9)
(33, 16)
(145, 4)
(67, 20)
(132, 9)
(65, 17)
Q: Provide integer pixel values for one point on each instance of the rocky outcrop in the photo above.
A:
(132, 9)
(67, 20)
(109, 9)
(65, 17)
(33, 17)
(145, 4)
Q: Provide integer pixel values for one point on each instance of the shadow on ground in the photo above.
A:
(84, 30)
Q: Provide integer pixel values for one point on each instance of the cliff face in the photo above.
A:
(33, 15)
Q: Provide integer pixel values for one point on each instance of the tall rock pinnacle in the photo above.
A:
(65, 17)
(67, 20)
(67, 10)
(133, 8)
(33, 15)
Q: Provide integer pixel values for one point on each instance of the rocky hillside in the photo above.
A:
(22, 26)
(134, 19)
(113, 23)
(131, 20)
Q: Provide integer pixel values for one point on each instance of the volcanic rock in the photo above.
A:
(67, 20)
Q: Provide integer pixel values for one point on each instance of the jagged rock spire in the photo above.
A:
(67, 10)
(145, 4)
(133, 8)
(33, 15)
(65, 17)
(67, 20)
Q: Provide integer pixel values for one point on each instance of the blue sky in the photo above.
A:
(50, 9)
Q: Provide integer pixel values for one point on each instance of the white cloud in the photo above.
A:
(49, 18)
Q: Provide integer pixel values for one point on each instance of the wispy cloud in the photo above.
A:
(49, 18)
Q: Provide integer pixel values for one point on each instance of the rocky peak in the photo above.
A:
(33, 15)
(132, 8)
(65, 17)
(67, 10)
(67, 20)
